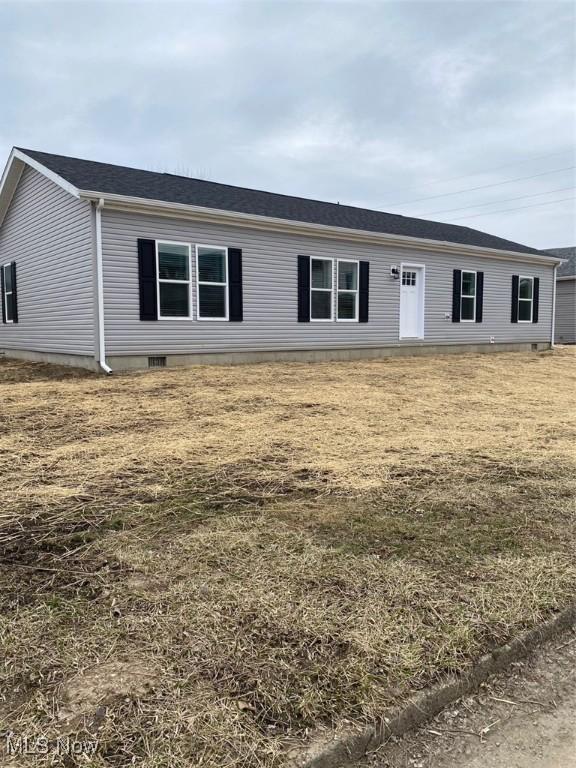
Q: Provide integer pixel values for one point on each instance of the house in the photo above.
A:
(565, 326)
(115, 268)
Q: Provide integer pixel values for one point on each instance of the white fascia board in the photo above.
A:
(8, 183)
(6, 171)
(46, 172)
(254, 221)
(13, 171)
(566, 277)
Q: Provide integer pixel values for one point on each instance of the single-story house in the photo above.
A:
(113, 268)
(565, 332)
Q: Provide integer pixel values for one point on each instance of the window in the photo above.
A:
(173, 269)
(212, 273)
(347, 291)
(525, 299)
(321, 289)
(468, 297)
(408, 277)
(8, 293)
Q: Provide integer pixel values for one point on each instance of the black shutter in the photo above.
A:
(15, 294)
(536, 300)
(456, 295)
(3, 294)
(479, 296)
(303, 289)
(147, 279)
(515, 288)
(364, 291)
(235, 311)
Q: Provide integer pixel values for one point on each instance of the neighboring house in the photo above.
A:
(113, 267)
(565, 332)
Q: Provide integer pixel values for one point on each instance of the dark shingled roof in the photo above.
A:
(167, 187)
(569, 267)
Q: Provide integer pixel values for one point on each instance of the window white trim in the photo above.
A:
(323, 290)
(468, 295)
(531, 299)
(356, 290)
(7, 293)
(205, 282)
(179, 282)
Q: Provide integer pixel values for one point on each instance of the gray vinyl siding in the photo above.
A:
(270, 293)
(565, 331)
(48, 233)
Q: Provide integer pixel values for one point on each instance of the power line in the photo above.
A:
(499, 167)
(495, 202)
(483, 186)
(520, 208)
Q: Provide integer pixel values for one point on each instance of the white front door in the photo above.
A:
(412, 302)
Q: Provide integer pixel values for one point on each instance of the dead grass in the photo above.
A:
(276, 545)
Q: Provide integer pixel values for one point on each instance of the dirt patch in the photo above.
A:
(19, 371)
(144, 586)
(86, 696)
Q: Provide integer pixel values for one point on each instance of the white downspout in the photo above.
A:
(100, 290)
(553, 308)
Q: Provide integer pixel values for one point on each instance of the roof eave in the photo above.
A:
(233, 218)
(17, 159)
(8, 183)
(55, 177)
(13, 171)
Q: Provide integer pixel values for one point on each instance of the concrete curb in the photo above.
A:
(348, 745)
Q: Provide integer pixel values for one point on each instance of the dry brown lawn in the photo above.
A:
(201, 565)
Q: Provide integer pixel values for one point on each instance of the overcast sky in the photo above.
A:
(373, 104)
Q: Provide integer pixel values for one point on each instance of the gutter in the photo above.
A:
(255, 221)
(101, 359)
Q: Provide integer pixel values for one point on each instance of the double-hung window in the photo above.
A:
(468, 297)
(8, 293)
(173, 270)
(212, 278)
(347, 298)
(321, 289)
(329, 277)
(525, 299)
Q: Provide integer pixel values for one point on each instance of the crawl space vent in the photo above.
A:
(156, 362)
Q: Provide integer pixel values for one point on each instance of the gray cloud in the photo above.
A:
(366, 103)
